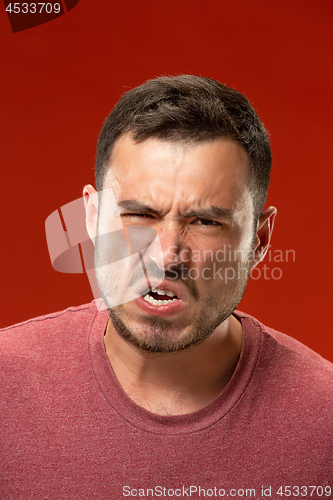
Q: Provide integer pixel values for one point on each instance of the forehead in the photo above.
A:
(183, 173)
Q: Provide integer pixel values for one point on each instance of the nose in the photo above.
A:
(166, 248)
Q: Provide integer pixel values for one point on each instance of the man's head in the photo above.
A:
(189, 109)
(188, 158)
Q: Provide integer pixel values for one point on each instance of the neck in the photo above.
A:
(180, 382)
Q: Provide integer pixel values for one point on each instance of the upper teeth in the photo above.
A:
(163, 292)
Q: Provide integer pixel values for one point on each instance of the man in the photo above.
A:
(169, 392)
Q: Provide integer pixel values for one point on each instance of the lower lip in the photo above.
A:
(162, 311)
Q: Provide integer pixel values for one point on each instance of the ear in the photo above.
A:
(90, 197)
(264, 233)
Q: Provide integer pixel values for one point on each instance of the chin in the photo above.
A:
(161, 335)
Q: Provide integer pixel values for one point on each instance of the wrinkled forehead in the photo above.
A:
(176, 179)
(183, 163)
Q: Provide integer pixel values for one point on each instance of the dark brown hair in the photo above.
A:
(189, 108)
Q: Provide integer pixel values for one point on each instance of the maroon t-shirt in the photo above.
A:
(68, 430)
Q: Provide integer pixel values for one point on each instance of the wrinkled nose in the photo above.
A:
(164, 250)
(168, 247)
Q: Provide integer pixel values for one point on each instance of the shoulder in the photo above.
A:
(46, 329)
(68, 314)
(35, 352)
(288, 368)
(289, 395)
(285, 344)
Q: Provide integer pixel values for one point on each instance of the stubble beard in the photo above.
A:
(162, 335)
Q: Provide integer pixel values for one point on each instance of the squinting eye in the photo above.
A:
(207, 222)
(134, 216)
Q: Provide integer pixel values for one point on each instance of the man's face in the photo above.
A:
(196, 196)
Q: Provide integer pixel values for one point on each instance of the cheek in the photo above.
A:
(205, 244)
(222, 263)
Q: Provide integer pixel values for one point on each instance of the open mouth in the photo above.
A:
(158, 297)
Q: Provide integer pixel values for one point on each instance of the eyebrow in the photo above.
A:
(137, 207)
(212, 212)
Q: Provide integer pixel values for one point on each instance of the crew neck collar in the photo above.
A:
(141, 418)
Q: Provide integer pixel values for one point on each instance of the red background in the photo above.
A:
(61, 79)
